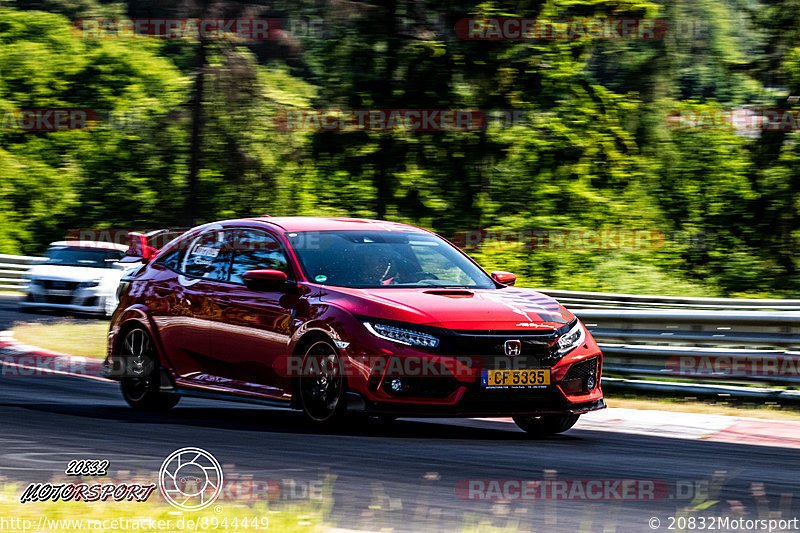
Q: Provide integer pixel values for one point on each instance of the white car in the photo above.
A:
(80, 276)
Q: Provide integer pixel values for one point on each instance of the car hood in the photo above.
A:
(509, 308)
(73, 273)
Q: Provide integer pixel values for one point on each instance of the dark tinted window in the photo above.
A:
(385, 259)
(172, 259)
(208, 257)
(255, 250)
(83, 256)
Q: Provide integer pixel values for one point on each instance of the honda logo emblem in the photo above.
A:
(513, 347)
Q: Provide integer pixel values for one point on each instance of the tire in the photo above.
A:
(544, 425)
(141, 386)
(322, 386)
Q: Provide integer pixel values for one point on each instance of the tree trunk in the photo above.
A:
(196, 141)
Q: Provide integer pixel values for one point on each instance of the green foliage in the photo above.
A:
(592, 147)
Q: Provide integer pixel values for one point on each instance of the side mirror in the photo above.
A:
(264, 279)
(506, 278)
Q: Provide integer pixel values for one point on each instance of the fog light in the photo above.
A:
(397, 385)
(590, 382)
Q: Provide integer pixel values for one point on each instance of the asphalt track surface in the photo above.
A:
(10, 313)
(401, 476)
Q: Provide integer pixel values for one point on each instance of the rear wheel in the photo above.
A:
(141, 384)
(321, 386)
(544, 425)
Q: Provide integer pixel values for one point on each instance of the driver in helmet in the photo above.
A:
(376, 267)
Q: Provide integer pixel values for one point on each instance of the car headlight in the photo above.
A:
(571, 339)
(87, 284)
(406, 336)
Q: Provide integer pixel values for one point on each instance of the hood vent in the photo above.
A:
(452, 293)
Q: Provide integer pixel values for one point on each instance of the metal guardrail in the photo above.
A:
(736, 348)
(12, 269)
(601, 300)
(742, 348)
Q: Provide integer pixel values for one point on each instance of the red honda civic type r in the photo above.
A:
(333, 316)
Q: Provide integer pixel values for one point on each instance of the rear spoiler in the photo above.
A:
(142, 247)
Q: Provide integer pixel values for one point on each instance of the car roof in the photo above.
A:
(337, 223)
(91, 244)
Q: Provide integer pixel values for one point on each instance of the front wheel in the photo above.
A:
(141, 386)
(322, 384)
(544, 425)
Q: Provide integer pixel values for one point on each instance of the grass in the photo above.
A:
(69, 336)
(300, 518)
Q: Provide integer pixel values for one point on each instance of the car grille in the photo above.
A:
(64, 300)
(581, 369)
(488, 348)
(575, 380)
(55, 284)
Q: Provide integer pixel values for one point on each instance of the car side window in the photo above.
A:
(256, 250)
(208, 257)
(171, 259)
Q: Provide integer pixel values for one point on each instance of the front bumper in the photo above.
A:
(452, 385)
(79, 301)
(476, 405)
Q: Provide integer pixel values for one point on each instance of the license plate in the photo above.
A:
(516, 378)
(59, 293)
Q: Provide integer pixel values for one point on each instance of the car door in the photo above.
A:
(185, 308)
(254, 327)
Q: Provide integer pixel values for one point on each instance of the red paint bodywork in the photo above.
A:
(227, 340)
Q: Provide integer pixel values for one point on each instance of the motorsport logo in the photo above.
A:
(190, 479)
(87, 492)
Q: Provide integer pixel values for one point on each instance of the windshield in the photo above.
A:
(384, 259)
(85, 257)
